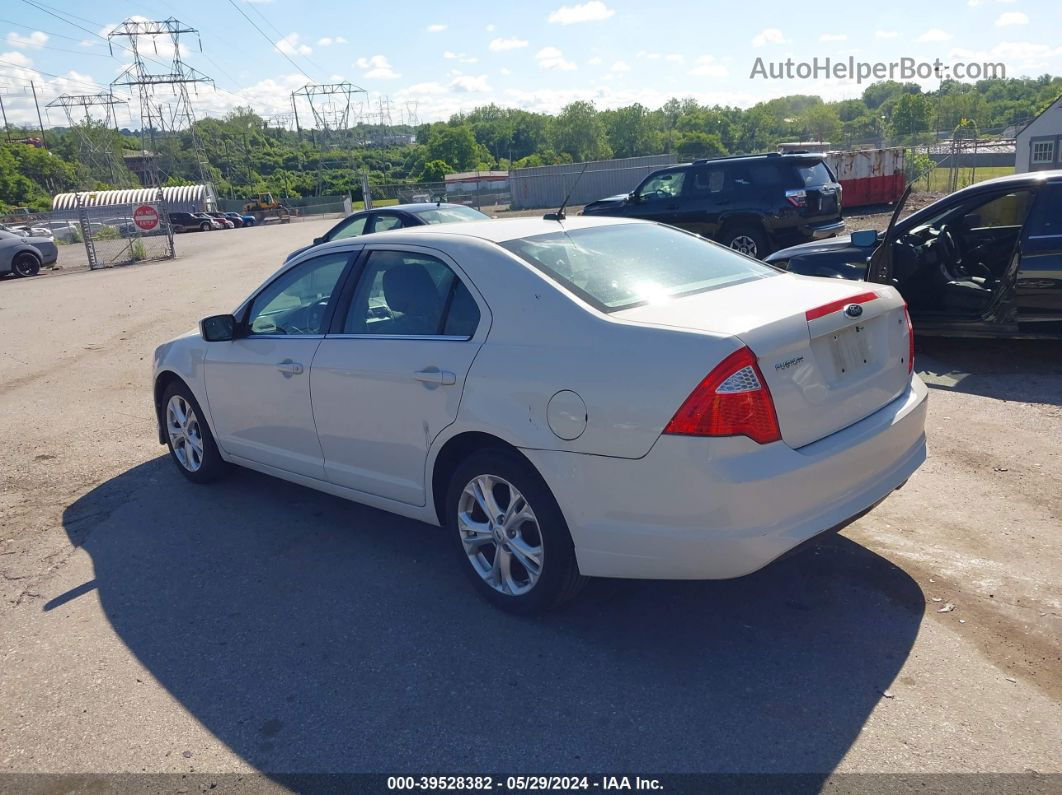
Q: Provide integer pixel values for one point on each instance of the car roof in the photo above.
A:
(413, 207)
(491, 230)
(1028, 177)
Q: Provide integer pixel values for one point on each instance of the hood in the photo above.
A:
(297, 251)
(612, 201)
(833, 245)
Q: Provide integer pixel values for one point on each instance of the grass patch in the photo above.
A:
(938, 180)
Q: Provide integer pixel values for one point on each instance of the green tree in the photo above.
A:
(579, 132)
(911, 114)
(434, 171)
(454, 144)
(630, 131)
(820, 123)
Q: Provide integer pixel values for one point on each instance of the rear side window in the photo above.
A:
(447, 215)
(626, 265)
(813, 174)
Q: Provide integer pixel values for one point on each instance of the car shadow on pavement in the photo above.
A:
(1029, 371)
(310, 634)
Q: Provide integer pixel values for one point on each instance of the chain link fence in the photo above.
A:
(121, 234)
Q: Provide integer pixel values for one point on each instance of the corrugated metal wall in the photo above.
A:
(544, 187)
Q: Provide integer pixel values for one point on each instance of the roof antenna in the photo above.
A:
(559, 215)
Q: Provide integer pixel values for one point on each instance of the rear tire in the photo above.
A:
(191, 443)
(25, 264)
(747, 239)
(522, 559)
(205, 227)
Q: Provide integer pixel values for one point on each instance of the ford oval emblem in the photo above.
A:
(853, 310)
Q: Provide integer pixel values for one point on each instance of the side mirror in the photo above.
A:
(319, 240)
(865, 238)
(218, 328)
(633, 197)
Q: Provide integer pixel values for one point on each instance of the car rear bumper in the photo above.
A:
(696, 508)
(820, 231)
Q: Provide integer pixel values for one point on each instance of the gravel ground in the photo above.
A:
(149, 625)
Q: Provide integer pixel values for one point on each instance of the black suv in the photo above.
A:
(753, 204)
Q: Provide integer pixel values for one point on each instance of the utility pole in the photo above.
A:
(40, 121)
(7, 128)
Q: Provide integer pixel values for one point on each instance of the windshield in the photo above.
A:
(814, 174)
(617, 267)
(449, 215)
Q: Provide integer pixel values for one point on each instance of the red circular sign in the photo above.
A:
(146, 217)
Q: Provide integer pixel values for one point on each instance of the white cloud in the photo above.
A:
(707, 66)
(290, 45)
(33, 41)
(886, 34)
(460, 57)
(430, 87)
(649, 56)
(596, 60)
(436, 28)
(500, 45)
(1029, 57)
(768, 36)
(674, 57)
(377, 66)
(1005, 20)
(553, 58)
(506, 71)
(593, 11)
(489, 28)
(16, 59)
(467, 84)
(934, 34)
(328, 41)
(620, 66)
(833, 37)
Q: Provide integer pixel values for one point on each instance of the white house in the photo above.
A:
(1038, 145)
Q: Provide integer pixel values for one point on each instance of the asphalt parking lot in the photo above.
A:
(150, 625)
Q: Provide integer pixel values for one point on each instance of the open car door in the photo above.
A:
(880, 268)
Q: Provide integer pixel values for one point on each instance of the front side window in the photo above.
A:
(297, 301)
(1043, 152)
(617, 267)
(1009, 209)
(665, 185)
(408, 294)
(353, 227)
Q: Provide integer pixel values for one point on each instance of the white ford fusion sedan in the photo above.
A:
(590, 397)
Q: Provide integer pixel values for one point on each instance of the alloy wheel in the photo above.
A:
(744, 244)
(186, 437)
(500, 534)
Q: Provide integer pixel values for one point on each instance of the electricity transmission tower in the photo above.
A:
(96, 154)
(155, 116)
(330, 105)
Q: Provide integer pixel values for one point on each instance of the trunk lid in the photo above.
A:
(826, 369)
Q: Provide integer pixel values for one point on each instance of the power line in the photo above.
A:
(266, 37)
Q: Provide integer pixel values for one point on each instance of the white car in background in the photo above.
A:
(591, 397)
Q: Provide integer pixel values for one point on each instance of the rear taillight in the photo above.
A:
(910, 340)
(733, 400)
(797, 198)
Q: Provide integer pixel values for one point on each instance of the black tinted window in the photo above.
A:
(812, 174)
(463, 317)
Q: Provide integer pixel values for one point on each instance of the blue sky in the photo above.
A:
(434, 58)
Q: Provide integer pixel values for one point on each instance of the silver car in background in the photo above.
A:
(23, 256)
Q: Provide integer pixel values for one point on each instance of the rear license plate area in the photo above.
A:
(850, 352)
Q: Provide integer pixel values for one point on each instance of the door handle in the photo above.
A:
(433, 375)
(289, 368)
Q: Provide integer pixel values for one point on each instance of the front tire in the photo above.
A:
(191, 443)
(205, 227)
(746, 239)
(510, 533)
(26, 264)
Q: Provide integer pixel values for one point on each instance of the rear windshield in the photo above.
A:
(813, 174)
(626, 265)
(449, 215)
